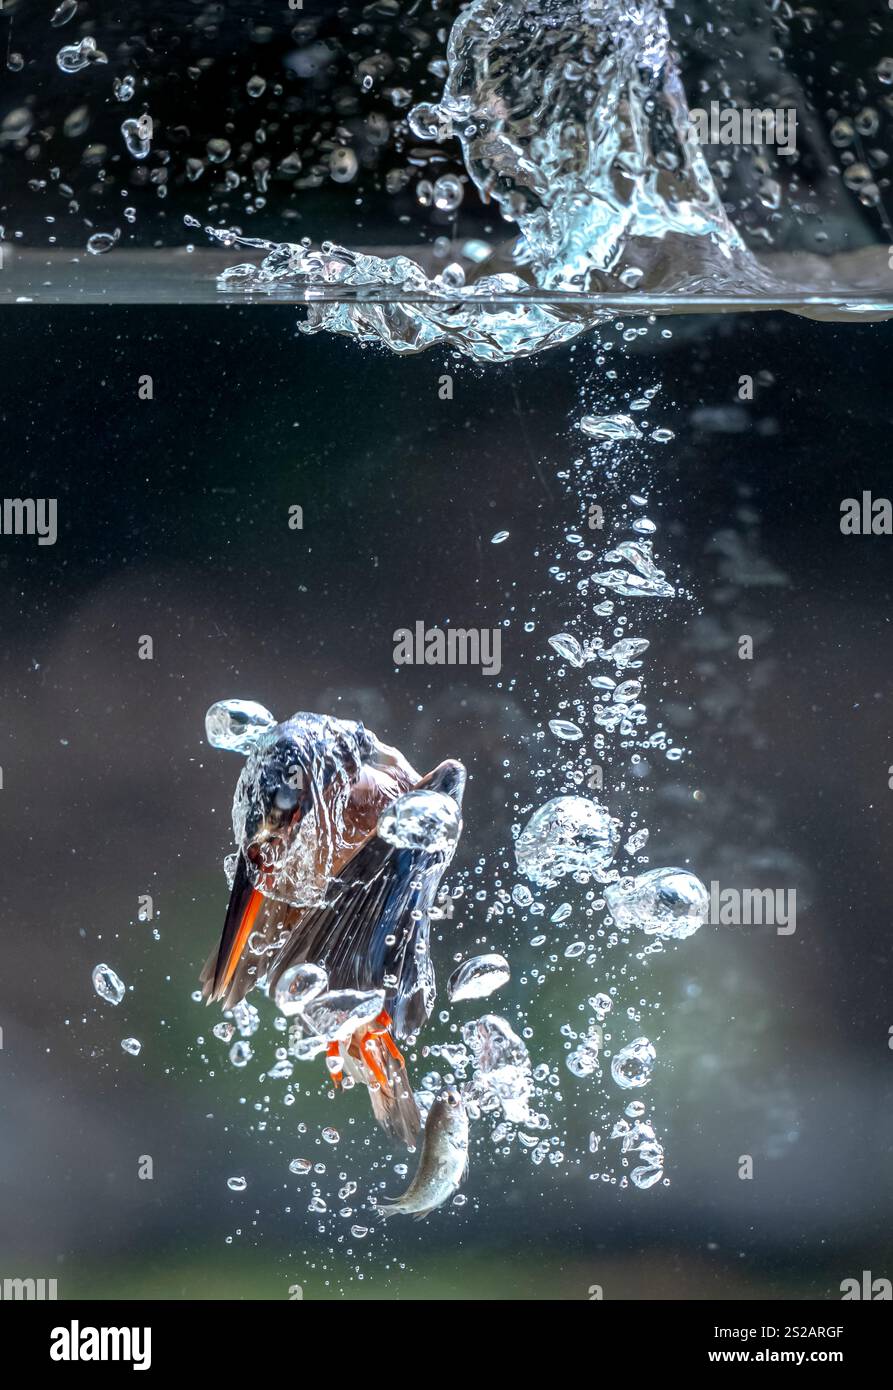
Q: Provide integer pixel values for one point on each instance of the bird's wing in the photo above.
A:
(252, 934)
(374, 917)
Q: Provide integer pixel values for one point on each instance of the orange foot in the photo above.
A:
(336, 1073)
(383, 1023)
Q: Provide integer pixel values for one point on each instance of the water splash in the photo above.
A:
(502, 1078)
(573, 120)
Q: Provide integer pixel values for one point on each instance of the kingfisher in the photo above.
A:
(341, 849)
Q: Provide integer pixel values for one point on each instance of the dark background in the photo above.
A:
(173, 522)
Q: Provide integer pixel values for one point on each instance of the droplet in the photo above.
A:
(564, 728)
(108, 985)
(63, 13)
(644, 580)
(503, 1076)
(425, 121)
(645, 1176)
(100, 242)
(583, 1061)
(237, 724)
(424, 820)
(448, 193)
(76, 56)
(478, 977)
(568, 647)
(240, 1053)
(632, 1066)
(884, 71)
(137, 136)
(343, 164)
(625, 651)
(567, 835)
(218, 150)
(298, 986)
(670, 903)
(610, 427)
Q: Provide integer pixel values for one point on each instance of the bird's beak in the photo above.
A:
(244, 904)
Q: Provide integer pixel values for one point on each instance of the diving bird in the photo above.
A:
(341, 850)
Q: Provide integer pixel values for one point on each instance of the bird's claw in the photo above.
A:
(383, 1023)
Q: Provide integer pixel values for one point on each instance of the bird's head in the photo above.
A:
(290, 799)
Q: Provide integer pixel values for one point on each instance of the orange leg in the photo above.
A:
(372, 1062)
(383, 1022)
(334, 1050)
(384, 1018)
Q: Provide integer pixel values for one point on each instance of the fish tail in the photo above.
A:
(390, 1209)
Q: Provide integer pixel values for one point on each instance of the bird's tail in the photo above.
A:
(390, 1091)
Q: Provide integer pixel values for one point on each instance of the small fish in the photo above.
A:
(444, 1161)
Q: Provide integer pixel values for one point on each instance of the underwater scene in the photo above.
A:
(447, 766)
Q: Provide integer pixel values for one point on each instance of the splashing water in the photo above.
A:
(502, 1072)
(573, 120)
